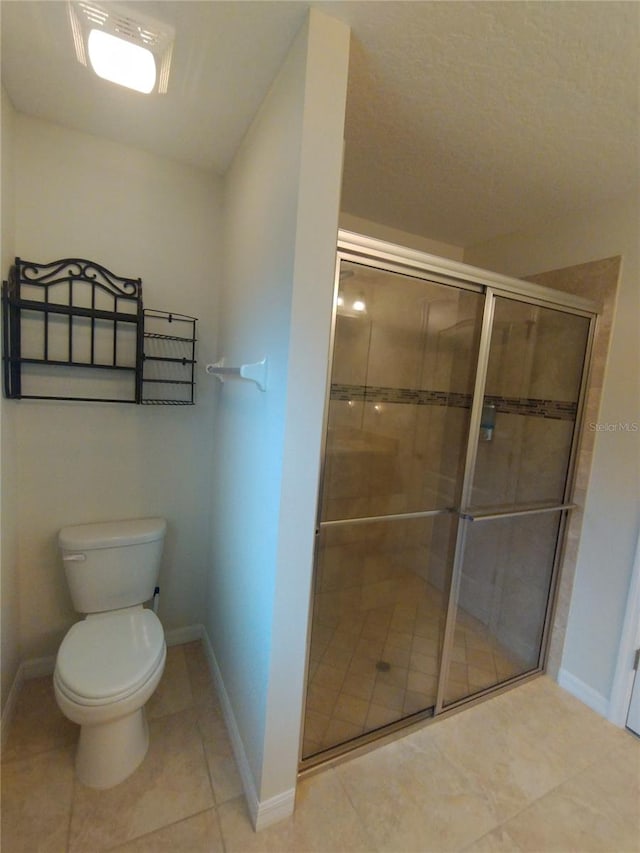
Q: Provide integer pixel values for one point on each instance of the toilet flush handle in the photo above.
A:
(73, 558)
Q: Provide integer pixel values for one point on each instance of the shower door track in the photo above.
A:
(369, 741)
(387, 257)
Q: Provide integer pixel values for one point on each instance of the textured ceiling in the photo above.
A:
(465, 120)
(468, 120)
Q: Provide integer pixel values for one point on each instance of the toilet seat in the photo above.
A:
(109, 656)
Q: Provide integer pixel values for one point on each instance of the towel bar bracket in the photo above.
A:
(255, 372)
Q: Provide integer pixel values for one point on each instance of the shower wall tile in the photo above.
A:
(544, 454)
(536, 352)
(534, 407)
(344, 508)
(511, 349)
(496, 460)
(394, 327)
(441, 441)
(351, 350)
(407, 456)
(453, 343)
(395, 356)
(559, 355)
(395, 463)
(583, 469)
(340, 568)
(525, 462)
(345, 414)
(426, 337)
(479, 570)
(597, 280)
(527, 565)
(386, 504)
(543, 407)
(392, 476)
(344, 473)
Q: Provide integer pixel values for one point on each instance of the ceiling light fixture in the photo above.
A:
(126, 48)
(122, 62)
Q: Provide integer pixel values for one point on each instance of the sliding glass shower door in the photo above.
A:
(515, 495)
(404, 363)
(449, 436)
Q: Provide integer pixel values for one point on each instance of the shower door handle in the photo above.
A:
(488, 515)
(398, 516)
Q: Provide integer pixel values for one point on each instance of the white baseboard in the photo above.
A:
(275, 809)
(38, 667)
(32, 668)
(232, 727)
(625, 674)
(179, 636)
(583, 692)
(269, 811)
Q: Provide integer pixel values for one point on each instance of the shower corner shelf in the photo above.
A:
(255, 372)
(73, 330)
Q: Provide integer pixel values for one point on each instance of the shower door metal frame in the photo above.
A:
(391, 258)
(467, 515)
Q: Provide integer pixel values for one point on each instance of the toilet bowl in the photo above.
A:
(110, 663)
(108, 666)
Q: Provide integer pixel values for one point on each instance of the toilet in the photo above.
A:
(110, 663)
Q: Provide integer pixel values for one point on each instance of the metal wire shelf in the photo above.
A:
(64, 320)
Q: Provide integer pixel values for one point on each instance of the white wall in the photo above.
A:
(9, 591)
(139, 215)
(281, 216)
(612, 510)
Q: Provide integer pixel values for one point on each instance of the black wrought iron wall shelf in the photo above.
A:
(73, 330)
(169, 359)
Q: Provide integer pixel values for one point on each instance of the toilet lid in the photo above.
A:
(109, 655)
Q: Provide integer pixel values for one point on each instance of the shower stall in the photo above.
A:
(452, 426)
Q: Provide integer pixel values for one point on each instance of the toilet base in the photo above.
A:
(108, 753)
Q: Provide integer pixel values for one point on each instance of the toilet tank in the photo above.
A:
(112, 564)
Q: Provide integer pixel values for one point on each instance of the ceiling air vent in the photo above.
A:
(116, 22)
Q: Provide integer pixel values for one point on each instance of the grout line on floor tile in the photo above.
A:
(206, 764)
(74, 791)
(162, 828)
(347, 796)
(70, 815)
(533, 802)
(9, 761)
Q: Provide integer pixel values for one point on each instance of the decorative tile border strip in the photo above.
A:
(530, 406)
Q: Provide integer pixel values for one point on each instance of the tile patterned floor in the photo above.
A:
(530, 770)
(372, 663)
(188, 773)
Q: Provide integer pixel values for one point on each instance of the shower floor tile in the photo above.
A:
(374, 663)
